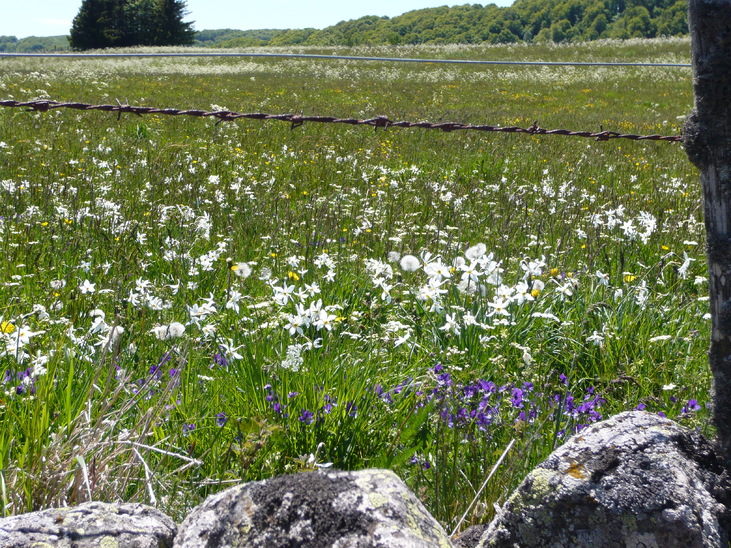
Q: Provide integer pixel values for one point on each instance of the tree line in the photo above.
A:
(33, 44)
(119, 23)
(525, 20)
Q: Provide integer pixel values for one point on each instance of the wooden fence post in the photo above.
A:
(707, 138)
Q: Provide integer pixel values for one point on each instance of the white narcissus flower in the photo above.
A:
(437, 270)
(533, 268)
(499, 306)
(596, 339)
(87, 287)
(324, 320)
(565, 291)
(603, 278)
(683, 269)
(522, 293)
(230, 350)
(233, 300)
(297, 324)
(402, 340)
(470, 272)
(451, 326)
(23, 334)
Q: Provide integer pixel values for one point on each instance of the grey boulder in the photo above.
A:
(370, 508)
(89, 525)
(635, 479)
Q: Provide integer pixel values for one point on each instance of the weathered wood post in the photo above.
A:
(707, 138)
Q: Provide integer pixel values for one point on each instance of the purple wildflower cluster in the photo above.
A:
(23, 380)
(305, 416)
(166, 376)
(274, 402)
(149, 385)
(692, 405)
(479, 404)
(416, 461)
(482, 403)
(219, 360)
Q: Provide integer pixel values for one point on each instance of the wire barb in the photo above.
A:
(296, 120)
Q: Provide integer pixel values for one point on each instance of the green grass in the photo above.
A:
(431, 381)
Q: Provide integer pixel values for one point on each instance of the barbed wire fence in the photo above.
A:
(296, 120)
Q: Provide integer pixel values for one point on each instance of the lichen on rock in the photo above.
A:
(370, 508)
(89, 525)
(636, 479)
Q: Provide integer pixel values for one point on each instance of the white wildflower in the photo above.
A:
(451, 325)
(683, 269)
(87, 287)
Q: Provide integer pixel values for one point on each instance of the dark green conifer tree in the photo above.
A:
(121, 23)
(99, 24)
(173, 31)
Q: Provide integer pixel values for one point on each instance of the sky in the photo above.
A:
(53, 17)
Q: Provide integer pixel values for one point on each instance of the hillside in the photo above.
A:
(32, 44)
(526, 20)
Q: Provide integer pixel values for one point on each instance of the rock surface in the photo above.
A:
(370, 508)
(635, 479)
(89, 525)
(470, 537)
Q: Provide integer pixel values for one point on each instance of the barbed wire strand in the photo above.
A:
(297, 120)
(347, 58)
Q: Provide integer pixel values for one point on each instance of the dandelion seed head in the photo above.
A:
(241, 270)
(170, 331)
(475, 252)
(58, 284)
(393, 256)
(409, 263)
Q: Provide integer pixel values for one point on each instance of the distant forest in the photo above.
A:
(33, 44)
(524, 21)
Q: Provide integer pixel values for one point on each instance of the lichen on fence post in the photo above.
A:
(707, 138)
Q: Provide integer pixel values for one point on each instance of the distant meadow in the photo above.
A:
(186, 305)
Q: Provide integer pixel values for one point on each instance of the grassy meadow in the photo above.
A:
(186, 305)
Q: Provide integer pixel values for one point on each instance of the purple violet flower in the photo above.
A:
(307, 417)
